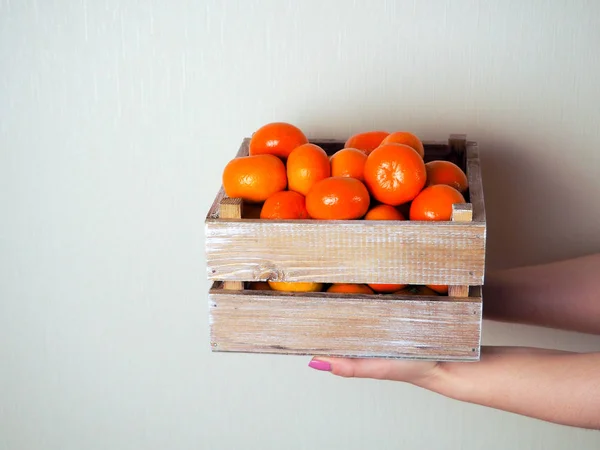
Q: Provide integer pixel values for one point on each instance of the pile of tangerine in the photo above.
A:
(376, 176)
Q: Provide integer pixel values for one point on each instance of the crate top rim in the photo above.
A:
(398, 223)
(425, 142)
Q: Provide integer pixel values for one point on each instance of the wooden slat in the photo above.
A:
(346, 251)
(476, 196)
(345, 325)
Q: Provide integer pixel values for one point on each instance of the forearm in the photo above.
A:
(554, 386)
(564, 294)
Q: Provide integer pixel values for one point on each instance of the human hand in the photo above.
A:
(552, 385)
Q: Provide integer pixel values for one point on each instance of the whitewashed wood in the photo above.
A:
(346, 251)
(351, 325)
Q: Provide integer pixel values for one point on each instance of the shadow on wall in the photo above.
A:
(539, 190)
(537, 202)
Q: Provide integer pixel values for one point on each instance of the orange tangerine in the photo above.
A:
(435, 203)
(276, 138)
(384, 212)
(338, 198)
(284, 205)
(349, 162)
(254, 178)
(366, 141)
(404, 137)
(350, 288)
(306, 165)
(295, 286)
(446, 172)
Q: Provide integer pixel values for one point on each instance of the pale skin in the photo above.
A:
(551, 385)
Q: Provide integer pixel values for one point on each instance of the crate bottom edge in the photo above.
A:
(458, 358)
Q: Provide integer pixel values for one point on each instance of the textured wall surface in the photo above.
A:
(116, 119)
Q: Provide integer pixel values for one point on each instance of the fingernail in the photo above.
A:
(320, 365)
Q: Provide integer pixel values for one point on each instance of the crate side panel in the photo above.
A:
(476, 196)
(343, 326)
(366, 252)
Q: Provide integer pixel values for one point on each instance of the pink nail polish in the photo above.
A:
(320, 365)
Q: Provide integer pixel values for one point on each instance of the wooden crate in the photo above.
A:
(242, 248)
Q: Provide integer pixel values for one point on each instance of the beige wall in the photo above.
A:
(116, 119)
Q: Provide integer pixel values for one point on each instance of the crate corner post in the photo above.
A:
(461, 212)
(231, 208)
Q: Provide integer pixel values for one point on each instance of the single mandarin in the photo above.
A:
(295, 286)
(276, 138)
(386, 288)
(395, 174)
(254, 178)
(338, 198)
(446, 172)
(435, 203)
(406, 138)
(384, 212)
(416, 290)
(284, 205)
(350, 288)
(306, 165)
(440, 289)
(366, 141)
(349, 162)
(259, 286)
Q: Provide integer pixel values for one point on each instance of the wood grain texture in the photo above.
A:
(349, 325)
(346, 251)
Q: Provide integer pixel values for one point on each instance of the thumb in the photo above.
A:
(375, 368)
